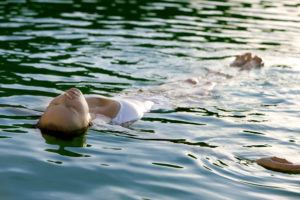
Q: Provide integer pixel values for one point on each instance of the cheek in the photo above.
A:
(81, 107)
(84, 104)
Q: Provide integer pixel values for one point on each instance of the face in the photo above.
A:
(69, 111)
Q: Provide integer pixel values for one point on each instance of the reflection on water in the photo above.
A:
(117, 47)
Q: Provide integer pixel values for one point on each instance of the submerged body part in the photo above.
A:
(71, 113)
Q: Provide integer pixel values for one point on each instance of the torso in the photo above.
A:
(118, 110)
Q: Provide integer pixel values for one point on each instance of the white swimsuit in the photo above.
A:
(130, 111)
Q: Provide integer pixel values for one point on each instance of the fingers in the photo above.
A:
(247, 62)
(278, 164)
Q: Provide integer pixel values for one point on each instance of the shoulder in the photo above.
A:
(140, 105)
(103, 105)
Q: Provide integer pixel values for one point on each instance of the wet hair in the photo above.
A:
(57, 131)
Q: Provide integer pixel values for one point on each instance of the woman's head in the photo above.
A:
(66, 115)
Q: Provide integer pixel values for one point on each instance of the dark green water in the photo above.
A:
(201, 149)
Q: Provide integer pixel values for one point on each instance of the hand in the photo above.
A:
(278, 164)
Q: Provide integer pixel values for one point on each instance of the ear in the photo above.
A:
(92, 116)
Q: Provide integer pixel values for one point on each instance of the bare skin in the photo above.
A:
(68, 111)
(200, 85)
(243, 62)
(72, 111)
(278, 164)
(247, 62)
(103, 106)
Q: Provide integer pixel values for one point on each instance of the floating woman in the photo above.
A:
(71, 113)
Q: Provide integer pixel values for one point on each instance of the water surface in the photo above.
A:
(202, 148)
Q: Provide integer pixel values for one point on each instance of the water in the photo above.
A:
(203, 148)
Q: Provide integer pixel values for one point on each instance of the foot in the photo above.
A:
(247, 62)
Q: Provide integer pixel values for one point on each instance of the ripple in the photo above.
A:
(14, 38)
(184, 150)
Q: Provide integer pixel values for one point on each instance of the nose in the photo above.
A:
(74, 91)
